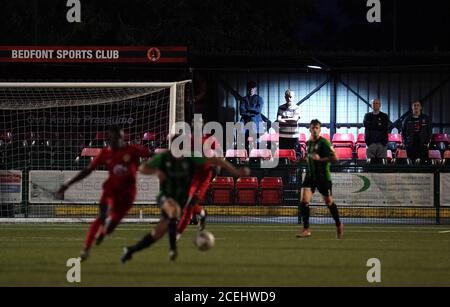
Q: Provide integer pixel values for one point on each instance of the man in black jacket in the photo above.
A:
(376, 132)
(416, 133)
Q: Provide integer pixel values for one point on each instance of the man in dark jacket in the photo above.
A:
(250, 109)
(376, 132)
(416, 133)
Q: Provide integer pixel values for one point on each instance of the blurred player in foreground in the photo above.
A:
(175, 175)
(119, 190)
(201, 179)
(318, 176)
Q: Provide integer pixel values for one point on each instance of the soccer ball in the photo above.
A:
(204, 240)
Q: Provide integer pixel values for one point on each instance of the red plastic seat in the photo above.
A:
(401, 154)
(222, 190)
(395, 138)
(325, 136)
(286, 154)
(446, 160)
(236, 155)
(6, 136)
(246, 190)
(440, 142)
(271, 190)
(90, 152)
(344, 153)
(261, 153)
(270, 137)
(343, 140)
(302, 138)
(101, 135)
(361, 153)
(440, 137)
(434, 154)
(389, 155)
(149, 136)
(360, 141)
(257, 155)
(160, 150)
(302, 141)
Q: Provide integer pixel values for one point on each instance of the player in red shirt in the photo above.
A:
(200, 183)
(119, 190)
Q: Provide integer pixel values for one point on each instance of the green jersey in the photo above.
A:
(178, 174)
(319, 170)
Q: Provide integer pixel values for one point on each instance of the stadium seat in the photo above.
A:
(100, 140)
(343, 140)
(222, 190)
(302, 140)
(87, 155)
(344, 153)
(261, 153)
(246, 190)
(360, 141)
(270, 137)
(286, 156)
(271, 190)
(361, 153)
(6, 137)
(446, 160)
(325, 136)
(389, 156)
(256, 155)
(236, 156)
(434, 157)
(394, 141)
(160, 150)
(401, 158)
(41, 154)
(440, 142)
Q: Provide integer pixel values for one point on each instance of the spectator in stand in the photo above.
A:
(416, 133)
(288, 116)
(250, 109)
(376, 124)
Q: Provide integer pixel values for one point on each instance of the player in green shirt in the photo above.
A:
(318, 176)
(175, 176)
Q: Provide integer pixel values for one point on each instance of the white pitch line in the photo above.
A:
(445, 231)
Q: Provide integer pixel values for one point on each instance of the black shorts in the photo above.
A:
(324, 187)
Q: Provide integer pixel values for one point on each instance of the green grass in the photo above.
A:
(244, 255)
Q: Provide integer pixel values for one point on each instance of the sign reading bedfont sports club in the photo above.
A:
(94, 54)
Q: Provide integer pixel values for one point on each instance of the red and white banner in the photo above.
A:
(94, 54)
(10, 186)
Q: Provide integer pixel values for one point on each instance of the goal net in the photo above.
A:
(50, 131)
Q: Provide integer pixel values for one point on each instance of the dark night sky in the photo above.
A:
(223, 26)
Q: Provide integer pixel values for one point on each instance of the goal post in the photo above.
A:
(49, 130)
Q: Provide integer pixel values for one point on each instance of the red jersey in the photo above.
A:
(122, 165)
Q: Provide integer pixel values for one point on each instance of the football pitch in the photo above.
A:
(244, 255)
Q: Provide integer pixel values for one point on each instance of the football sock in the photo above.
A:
(145, 242)
(185, 219)
(304, 210)
(172, 231)
(95, 225)
(335, 213)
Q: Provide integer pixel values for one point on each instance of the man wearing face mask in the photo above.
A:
(416, 133)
